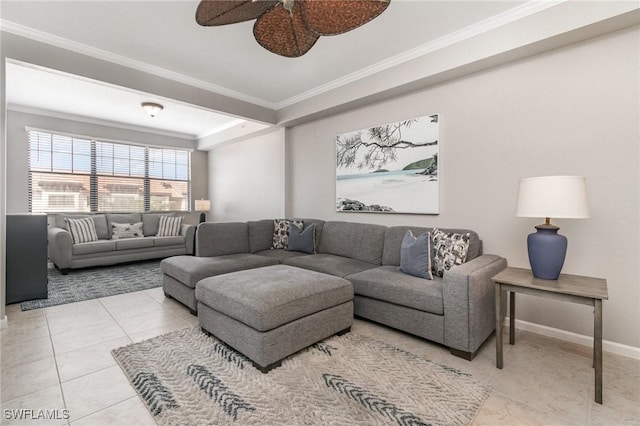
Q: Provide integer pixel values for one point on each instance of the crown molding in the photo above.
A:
(53, 40)
(99, 122)
(497, 21)
(530, 8)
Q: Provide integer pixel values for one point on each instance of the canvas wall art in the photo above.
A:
(392, 168)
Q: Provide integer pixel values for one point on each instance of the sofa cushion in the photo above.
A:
(99, 220)
(150, 222)
(122, 218)
(133, 243)
(280, 254)
(222, 238)
(302, 240)
(121, 231)
(281, 231)
(169, 226)
(99, 246)
(83, 230)
(359, 241)
(390, 284)
(270, 297)
(260, 235)
(331, 264)
(191, 269)
(394, 235)
(450, 249)
(415, 255)
(167, 241)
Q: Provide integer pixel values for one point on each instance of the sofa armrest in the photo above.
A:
(469, 303)
(188, 232)
(60, 247)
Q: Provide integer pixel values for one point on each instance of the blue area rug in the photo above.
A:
(92, 283)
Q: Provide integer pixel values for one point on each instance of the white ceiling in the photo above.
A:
(162, 38)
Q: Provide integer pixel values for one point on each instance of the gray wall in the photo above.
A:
(17, 153)
(247, 179)
(572, 111)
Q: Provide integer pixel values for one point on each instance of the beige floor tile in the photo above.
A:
(499, 409)
(156, 293)
(96, 391)
(129, 412)
(18, 353)
(49, 399)
(24, 328)
(182, 312)
(151, 320)
(88, 359)
(134, 308)
(121, 299)
(153, 332)
(27, 378)
(76, 339)
(76, 307)
(552, 390)
(624, 411)
(63, 322)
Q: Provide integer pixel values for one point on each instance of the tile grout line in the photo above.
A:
(55, 360)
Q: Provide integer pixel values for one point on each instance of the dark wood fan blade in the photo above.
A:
(284, 33)
(332, 17)
(222, 12)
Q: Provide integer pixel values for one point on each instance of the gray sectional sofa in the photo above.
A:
(106, 251)
(456, 310)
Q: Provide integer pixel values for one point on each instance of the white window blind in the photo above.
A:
(72, 174)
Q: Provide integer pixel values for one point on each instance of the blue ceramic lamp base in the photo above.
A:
(547, 250)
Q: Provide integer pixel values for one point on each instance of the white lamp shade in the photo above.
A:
(203, 205)
(561, 197)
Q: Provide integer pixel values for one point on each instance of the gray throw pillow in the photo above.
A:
(415, 255)
(303, 240)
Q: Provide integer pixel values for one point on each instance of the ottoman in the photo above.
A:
(182, 273)
(272, 312)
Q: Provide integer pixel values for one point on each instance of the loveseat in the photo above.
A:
(67, 254)
(456, 310)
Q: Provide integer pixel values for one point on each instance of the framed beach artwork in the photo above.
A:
(392, 168)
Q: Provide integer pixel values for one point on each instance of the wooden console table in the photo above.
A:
(570, 288)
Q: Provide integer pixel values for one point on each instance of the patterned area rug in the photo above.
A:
(189, 378)
(92, 283)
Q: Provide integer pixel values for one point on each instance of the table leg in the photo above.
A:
(597, 348)
(512, 317)
(498, 291)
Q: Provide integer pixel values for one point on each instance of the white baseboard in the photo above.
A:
(607, 346)
(4, 323)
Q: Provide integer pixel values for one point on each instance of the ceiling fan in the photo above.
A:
(291, 27)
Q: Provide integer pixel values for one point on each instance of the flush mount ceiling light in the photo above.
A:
(291, 27)
(152, 108)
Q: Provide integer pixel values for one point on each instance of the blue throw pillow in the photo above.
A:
(415, 255)
(303, 240)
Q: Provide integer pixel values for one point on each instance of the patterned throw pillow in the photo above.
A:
(82, 230)
(169, 226)
(450, 249)
(415, 255)
(281, 232)
(121, 231)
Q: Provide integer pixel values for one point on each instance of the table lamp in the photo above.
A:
(561, 197)
(203, 206)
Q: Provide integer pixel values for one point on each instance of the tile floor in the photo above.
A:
(59, 358)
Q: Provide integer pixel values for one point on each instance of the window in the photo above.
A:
(74, 174)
